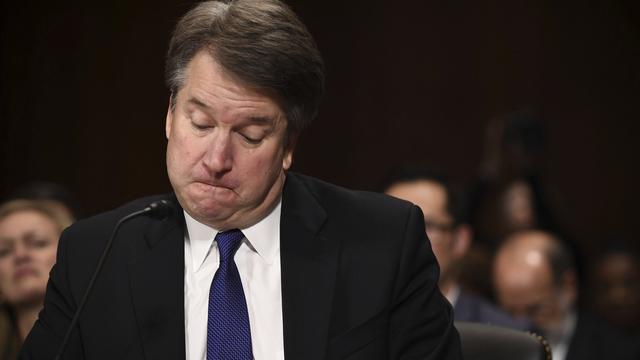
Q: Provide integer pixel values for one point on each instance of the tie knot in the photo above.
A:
(228, 243)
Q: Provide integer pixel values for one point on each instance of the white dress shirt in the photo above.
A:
(453, 294)
(560, 343)
(258, 261)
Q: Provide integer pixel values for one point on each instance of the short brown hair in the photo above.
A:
(263, 43)
(48, 208)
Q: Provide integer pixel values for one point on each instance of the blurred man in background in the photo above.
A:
(535, 279)
(616, 288)
(450, 239)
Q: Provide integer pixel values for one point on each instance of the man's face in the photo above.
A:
(617, 290)
(528, 291)
(431, 198)
(226, 152)
(28, 242)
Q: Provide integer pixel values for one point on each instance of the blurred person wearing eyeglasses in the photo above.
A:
(450, 237)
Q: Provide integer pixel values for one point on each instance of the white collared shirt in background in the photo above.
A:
(258, 262)
(560, 345)
(453, 294)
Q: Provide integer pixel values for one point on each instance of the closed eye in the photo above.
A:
(251, 140)
(200, 127)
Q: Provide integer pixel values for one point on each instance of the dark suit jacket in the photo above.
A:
(9, 341)
(358, 282)
(594, 340)
(472, 308)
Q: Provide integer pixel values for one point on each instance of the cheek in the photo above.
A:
(6, 271)
(564, 304)
(180, 157)
(47, 258)
(263, 165)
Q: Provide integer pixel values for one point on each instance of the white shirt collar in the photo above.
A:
(560, 346)
(264, 236)
(259, 237)
(453, 294)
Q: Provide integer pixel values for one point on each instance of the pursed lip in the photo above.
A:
(223, 185)
(23, 272)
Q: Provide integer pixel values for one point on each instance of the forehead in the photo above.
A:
(22, 220)
(522, 279)
(211, 85)
(429, 195)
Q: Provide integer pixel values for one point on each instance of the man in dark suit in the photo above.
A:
(253, 261)
(450, 238)
(535, 278)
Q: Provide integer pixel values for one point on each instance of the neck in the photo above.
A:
(26, 316)
(446, 286)
(563, 330)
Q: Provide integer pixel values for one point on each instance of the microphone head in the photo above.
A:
(160, 209)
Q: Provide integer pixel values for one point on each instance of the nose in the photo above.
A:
(218, 158)
(22, 254)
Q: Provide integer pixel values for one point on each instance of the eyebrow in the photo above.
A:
(258, 120)
(198, 103)
(261, 120)
(31, 235)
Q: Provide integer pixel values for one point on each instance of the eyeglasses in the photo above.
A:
(436, 229)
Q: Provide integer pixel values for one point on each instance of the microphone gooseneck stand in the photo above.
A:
(160, 208)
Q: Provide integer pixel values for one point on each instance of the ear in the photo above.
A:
(463, 236)
(289, 146)
(169, 120)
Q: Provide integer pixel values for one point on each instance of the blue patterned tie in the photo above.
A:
(228, 332)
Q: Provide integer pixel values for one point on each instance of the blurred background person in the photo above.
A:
(57, 195)
(511, 194)
(616, 287)
(29, 232)
(535, 278)
(450, 237)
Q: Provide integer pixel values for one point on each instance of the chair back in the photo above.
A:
(489, 342)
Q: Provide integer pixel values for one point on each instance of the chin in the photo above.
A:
(208, 210)
(27, 295)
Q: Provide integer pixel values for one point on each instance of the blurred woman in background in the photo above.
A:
(29, 232)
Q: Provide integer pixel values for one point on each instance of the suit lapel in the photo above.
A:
(309, 263)
(156, 277)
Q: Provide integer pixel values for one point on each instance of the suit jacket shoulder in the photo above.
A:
(102, 224)
(472, 308)
(594, 339)
(356, 206)
(374, 292)
(133, 303)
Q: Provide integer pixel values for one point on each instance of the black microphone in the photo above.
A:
(160, 209)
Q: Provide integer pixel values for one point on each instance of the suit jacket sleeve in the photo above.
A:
(52, 324)
(421, 319)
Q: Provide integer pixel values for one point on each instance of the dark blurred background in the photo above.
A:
(83, 100)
